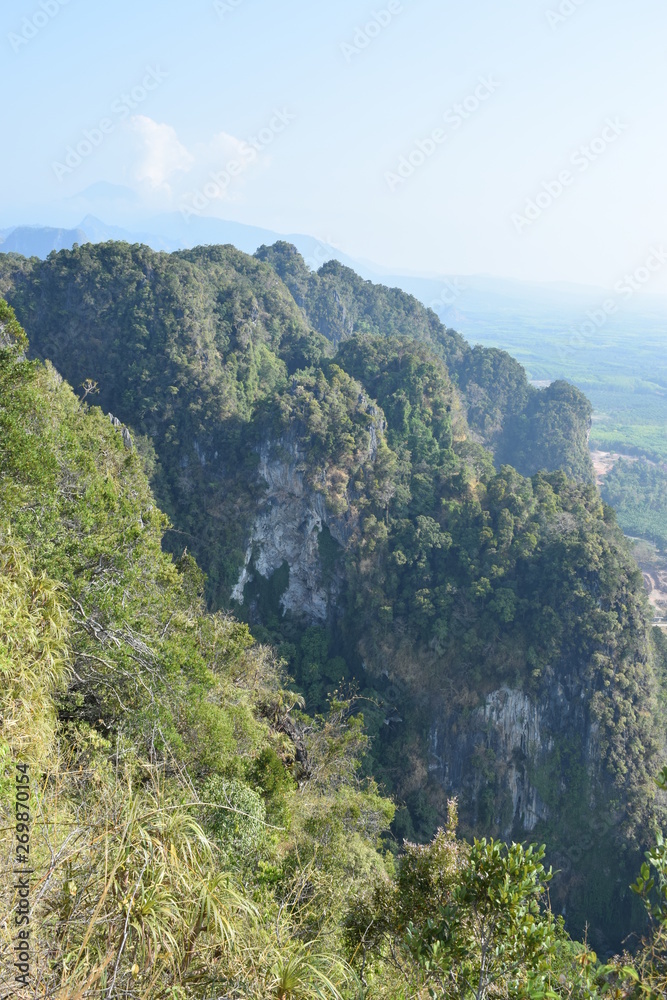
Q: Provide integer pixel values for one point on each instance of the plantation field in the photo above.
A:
(560, 331)
(622, 370)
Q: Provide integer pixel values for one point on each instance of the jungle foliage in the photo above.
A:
(193, 833)
(192, 830)
(459, 575)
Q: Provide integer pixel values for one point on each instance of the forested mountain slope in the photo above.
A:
(328, 482)
(186, 828)
(526, 428)
(191, 832)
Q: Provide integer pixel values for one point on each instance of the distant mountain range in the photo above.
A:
(168, 232)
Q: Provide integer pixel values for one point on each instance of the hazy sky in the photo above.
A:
(412, 134)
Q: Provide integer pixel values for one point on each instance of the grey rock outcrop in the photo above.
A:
(127, 437)
(506, 741)
(292, 514)
(287, 529)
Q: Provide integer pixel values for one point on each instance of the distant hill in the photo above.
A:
(167, 232)
(40, 241)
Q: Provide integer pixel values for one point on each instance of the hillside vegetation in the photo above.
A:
(185, 348)
(193, 832)
(403, 519)
(179, 844)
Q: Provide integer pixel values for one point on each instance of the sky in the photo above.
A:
(517, 138)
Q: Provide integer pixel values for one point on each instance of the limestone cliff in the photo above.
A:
(509, 730)
(300, 500)
(287, 529)
(505, 745)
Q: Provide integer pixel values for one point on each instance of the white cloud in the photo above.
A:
(161, 154)
(167, 174)
(222, 147)
(148, 158)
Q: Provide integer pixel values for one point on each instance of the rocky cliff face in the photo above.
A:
(509, 731)
(300, 501)
(508, 744)
(287, 529)
(499, 753)
(502, 744)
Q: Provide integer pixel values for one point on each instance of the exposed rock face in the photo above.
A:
(294, 511)
(287, 529)
(518, 725)
(504, 743)
(127, 437)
